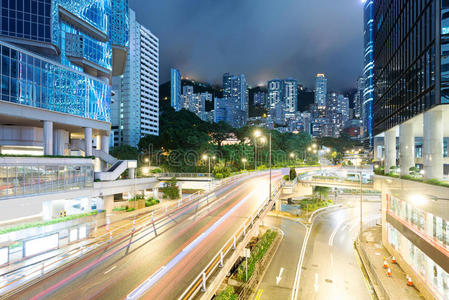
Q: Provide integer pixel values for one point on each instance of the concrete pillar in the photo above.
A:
(88, 141)
(407, 147)
(433, 144)
(60, 141)
(104, 143)
(131, 173)
(376, 152)
(390, 149)
(156, 193)
(108, 203)
(48, 138)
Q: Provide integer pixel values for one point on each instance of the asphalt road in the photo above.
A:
(330, 269)
(285, 261)
(167, 263)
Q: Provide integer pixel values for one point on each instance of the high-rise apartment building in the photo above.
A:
(274, 92)
(290, 94)
(135, 111)
(235, 90)
(368, 72)
(260, 98)
(320, 90)
(175, 89)
(411, 83)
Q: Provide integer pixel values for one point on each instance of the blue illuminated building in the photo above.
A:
(368, 73)
(175, 89)
(58, 56)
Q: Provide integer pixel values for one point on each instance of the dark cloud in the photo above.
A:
(263, 39)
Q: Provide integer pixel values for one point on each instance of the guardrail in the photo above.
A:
(192, 175)
(199, 283)
(153, 221)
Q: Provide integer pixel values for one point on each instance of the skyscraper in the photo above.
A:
(274, 92)
(137, 91)
(260, 98)
(358, 98)
(368, 72)
(290, 94)
(235, 90)
(175, 89)
(320, 90)
(411, 84)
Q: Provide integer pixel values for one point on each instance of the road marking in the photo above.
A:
(316, 285)
(258, 295)
(110, 270)
(331, 238)
(278, 278)
(300, 262)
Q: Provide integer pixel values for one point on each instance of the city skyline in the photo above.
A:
(338, 53)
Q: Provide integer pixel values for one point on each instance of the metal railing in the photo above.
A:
(151, 222)
(199, 283)
(188, 175)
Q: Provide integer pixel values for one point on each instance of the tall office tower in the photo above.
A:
(57, 61)
(320, 90)
(260, 98)
(368, 72)
(343, 107)
(411, 82)
(274, 92)
(290, 95)
(358, 98)
(175, 89)
(137, 91)
(220, 108)
(235, 90)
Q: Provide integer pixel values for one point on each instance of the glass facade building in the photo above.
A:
(406, 55)
(32, 80)
(368, 72)
(175, 89)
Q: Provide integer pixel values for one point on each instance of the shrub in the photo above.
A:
(156, 171)
(130, 209)
(292, 173)
(119, 208)
(227, 294)
(171, 189)
(218, 175)
(151, 201)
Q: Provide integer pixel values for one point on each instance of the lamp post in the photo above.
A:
(257, 133)
(361, 196)
(244, 163)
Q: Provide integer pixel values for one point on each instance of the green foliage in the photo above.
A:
(170, 190)
(414, 171)
(137, 197)
(130, 209)
(119, 208)
(437, 182)
(321, 191)
(151, 201)
(257, 253)
(44, 223)
(125, 152)
(379, 171)
(221, 168)
(286, 177)
(156, 171)
(312, 204)
(227, 294)
(292, 173)
(218, 176)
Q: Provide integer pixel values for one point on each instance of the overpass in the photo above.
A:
(337, 183)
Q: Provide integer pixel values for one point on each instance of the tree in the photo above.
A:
(171, 189)
(322, 191)
(292, 173)
(220, 132)
(125, 152)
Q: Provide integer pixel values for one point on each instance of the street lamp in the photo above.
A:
(257, 133)
(207, 157)
(244, 163)
(314, 145)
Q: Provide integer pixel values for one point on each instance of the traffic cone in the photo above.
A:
(393, 260)
(385, 264)
(409, 281)
(389, 272)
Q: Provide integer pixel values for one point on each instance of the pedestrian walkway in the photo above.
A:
(373, 256)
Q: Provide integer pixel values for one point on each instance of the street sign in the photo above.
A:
(246, 253)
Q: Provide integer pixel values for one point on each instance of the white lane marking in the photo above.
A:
(300, 262)
(316, 285)
(110, 270)
(150, 281)
(278, 278)
(332, 236)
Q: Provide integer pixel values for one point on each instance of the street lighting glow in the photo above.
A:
(417, 199)
(213, 157)
(309, 149)
(244, 160)
(145, 171)
(257, 133)
(204, 156)
(262, 139)
(314, 145)
(292, 154)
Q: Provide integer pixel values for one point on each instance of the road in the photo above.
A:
(167, 263)
(285, 261)
(330, 269)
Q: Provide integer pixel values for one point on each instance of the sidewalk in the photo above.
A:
(373, 254)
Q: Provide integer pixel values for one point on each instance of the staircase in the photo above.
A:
(117, 166)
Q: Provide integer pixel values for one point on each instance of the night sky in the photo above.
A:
(263, 39)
